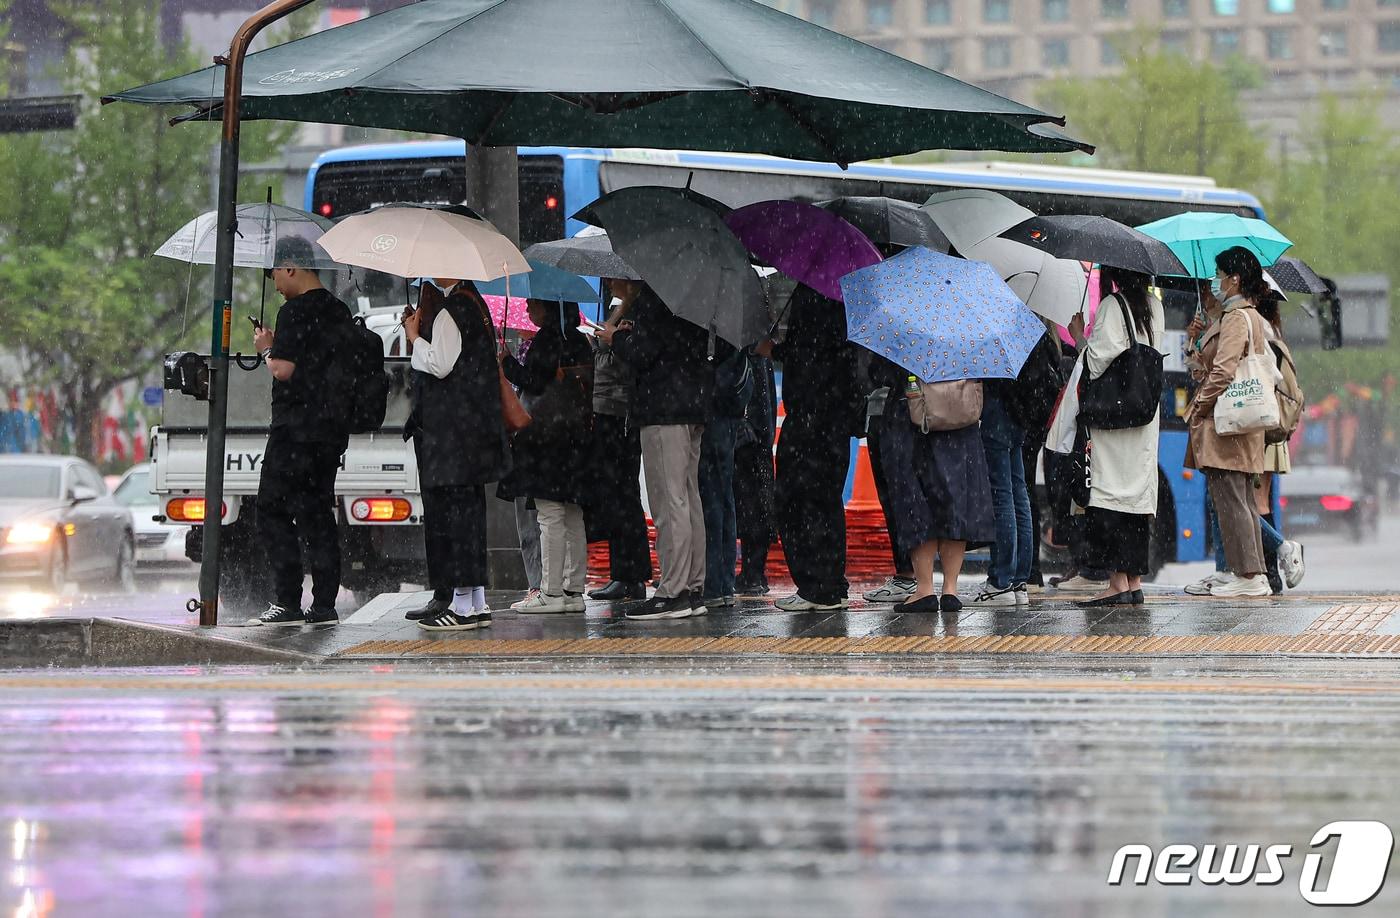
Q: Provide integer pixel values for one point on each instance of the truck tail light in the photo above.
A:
(1337, 503)
(190, 509)
(381, 510)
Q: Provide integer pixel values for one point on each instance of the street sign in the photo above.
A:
(152, 395)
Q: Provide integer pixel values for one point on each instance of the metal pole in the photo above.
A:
(223, 301)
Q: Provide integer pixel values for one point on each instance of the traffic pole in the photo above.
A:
(222, 320)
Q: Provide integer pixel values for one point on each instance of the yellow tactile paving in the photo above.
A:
(1353, 619)
(1325, 641)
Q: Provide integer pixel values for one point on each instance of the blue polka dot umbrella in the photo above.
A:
(940, 318)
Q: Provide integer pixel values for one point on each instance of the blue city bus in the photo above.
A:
(555, 182)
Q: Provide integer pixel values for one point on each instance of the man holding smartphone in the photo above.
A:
(296, 494)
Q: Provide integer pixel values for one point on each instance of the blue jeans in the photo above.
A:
(717, 502)
(1272, 537)
(1011, 504)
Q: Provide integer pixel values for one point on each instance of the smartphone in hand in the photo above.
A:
(256, 324)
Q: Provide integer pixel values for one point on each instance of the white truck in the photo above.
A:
(379, 510)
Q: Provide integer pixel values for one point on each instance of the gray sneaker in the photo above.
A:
(895, 589)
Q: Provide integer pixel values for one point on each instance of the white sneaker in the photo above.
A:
(1023, 594)
(795, 603)
(990, 595)
(1258, 585)
(529, 597)
(574, 602)
(1080, 584)
(542, 604)
(1206, 585)
(895, 589)
(1290, 563)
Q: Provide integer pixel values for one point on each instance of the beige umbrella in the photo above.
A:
(411, 241)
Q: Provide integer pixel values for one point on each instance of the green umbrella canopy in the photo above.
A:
(725, 75)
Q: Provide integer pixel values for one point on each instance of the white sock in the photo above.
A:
(462, 601)
(479, 599)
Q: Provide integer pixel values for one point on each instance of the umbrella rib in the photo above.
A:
(496, 116)
(802, 123)
(680, 20)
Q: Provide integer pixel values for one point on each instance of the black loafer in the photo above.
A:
(1117, 599)
(1138, 598)
(923, 606)
(949, 602)
(433, 609)
(619, 591)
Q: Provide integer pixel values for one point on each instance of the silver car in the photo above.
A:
(160, 544)
(59, 523)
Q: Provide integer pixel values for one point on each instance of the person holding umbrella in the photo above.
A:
(459, 438)
(1231, 462)
(1123, 462)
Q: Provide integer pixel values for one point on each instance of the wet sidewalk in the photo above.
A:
(1169, 623)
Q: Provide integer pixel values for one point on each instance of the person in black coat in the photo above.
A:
(753, 479)
(670, 403)
(825, 409)
(460, 441)
(550, 456)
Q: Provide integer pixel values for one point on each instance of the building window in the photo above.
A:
(996, 54)
(1054, 10)
(822, 12)
(938, 12)
(1054, 53)
(1385, 3)
(879, 14)
(938, 54)
(1114, 9)
(1333, 42)
(1178, 43)
(1335, 5)
(1108, 51)
(996, 10)
(1281, 7)
(1279, 43)
(1226, 7)
(1388, 37)
(1176, 9)
(1224, 42)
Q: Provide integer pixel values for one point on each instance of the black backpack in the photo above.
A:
(365, 386)
(1031, 397)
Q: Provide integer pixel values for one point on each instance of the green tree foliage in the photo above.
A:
(82, 304)
(1165, 113)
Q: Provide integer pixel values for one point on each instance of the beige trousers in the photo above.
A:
(671, 461)
(1233, 496)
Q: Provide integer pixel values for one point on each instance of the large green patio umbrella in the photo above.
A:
(726, 75)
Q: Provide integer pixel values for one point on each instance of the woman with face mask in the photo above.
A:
(1233, 463)
(460, 441)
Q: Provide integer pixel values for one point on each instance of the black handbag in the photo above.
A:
(1129, 393)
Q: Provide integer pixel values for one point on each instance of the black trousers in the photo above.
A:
(621, 516)
(812, 466)
(296, 519)
(900, 555)
(753, 508)
(454, 538)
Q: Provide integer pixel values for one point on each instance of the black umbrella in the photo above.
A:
(889, 221)
(591, 255)
(1097, 239)
(1293, 274)
(720, 209)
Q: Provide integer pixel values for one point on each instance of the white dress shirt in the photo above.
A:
(439, 355)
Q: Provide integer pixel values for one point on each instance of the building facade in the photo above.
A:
(1304, 47)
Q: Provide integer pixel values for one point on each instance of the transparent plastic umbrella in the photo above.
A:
(259, 228)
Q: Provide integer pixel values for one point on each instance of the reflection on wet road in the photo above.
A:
(483, 790)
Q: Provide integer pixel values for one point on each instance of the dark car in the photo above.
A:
(58, 522)
(1326, 498)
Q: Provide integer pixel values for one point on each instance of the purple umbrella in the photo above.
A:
(808, 244)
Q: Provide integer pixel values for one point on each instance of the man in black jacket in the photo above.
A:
(824, 410)
(670, 404)
(296, 494)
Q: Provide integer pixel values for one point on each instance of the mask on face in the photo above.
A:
(1216, 289)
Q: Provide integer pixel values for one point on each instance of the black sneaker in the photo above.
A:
(450, 621)
(434, 608)
(659, 607)
(483, 618)
(279, 615)
(315, 616)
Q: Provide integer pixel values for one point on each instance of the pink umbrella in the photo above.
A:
(517, 317)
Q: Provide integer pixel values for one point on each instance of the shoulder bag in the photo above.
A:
(1249, 403)
(1129, 393)
(950, 405)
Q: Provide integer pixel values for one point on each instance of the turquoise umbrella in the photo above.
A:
(544, 282)
(1197, 237)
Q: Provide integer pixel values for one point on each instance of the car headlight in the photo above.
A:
(29, 534)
